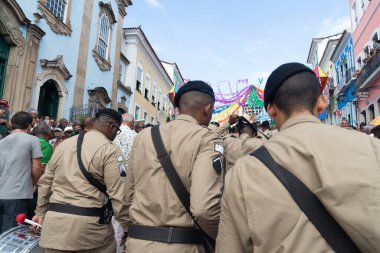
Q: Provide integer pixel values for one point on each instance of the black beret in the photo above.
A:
(279, 76)
(193, 86)
(107, 112)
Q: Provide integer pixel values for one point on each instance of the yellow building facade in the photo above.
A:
(146, 77)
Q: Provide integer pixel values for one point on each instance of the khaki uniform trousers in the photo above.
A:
(109, 248)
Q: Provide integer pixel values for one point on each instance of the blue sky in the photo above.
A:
(216, 40)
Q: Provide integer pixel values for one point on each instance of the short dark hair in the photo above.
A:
(247, 129)
(362, 124)
(299, 92)
(265, 124)
(21, 120)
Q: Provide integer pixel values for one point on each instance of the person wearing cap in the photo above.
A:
(57, 136)
(67, 133)
(159, 221)
(70, 208)
(258, 212)
(5, 125)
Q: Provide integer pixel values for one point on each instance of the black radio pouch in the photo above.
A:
(107, 207)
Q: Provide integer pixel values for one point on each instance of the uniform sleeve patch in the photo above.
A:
(122, 170)
(119, 158)
(217, 164)
(219, 148)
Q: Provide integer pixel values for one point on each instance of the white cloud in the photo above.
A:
(154, 3)
(330, 26)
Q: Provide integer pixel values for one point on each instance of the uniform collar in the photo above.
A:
(188, 118)
(299, 119)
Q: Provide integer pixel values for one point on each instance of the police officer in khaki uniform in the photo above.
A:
(197, 155)
(340, 167)
(244, 144)
(69, 206)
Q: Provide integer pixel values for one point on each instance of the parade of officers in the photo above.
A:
(194, 187)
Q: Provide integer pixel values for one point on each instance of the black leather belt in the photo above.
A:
(166, 234)
(76, 210)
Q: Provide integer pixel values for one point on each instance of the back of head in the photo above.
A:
(42, 129)
(196, 98)
(265, 124)
(247, 129)
(21, 120)
(298, 93)
(127, 117)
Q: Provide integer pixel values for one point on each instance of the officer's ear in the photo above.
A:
(271, 111)
(322, 103)
(208, 108)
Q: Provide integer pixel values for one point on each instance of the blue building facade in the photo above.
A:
(74, 67)
(343, 59)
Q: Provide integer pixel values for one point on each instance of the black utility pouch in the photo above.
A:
(107, 213)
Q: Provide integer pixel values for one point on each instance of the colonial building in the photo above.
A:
(146, 77)
(56, 54)
(365, 21)
(318, 51)
(328, 67)
(345, 79)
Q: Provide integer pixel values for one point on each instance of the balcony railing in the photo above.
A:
(370, 68)
(349, 73)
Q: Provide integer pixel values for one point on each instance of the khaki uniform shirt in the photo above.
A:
(341, 167)
(63, 182)
(152, 200)
(238, 147)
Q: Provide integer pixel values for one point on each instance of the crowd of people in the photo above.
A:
(110, 184)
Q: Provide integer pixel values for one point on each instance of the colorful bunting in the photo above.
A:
(321, 76)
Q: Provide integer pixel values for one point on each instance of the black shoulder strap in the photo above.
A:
(171, 173)
(310, 205)
(101, 187)
(176, 183)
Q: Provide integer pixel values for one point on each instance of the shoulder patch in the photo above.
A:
(219, 148)
(217, 164)
(122, 170)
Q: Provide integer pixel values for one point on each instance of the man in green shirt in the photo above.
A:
(44, 133)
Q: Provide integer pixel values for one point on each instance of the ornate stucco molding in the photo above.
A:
(11, 16)
(107, 7)
(56, 66)
(122, 4)
(122, 104)
(98, 97)
(57, 26)
(102, 63)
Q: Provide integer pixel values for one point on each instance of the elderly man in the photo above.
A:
(261, 212)
(124, 141)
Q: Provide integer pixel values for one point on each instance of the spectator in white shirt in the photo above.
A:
(125, 141)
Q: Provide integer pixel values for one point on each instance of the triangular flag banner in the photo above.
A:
(321, 76)
(256, 97)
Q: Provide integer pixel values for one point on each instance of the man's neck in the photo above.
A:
(20, 131)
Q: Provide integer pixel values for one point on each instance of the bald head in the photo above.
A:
(128, 120)
(198, 105)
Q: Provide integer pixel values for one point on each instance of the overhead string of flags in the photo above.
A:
(243, 95)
